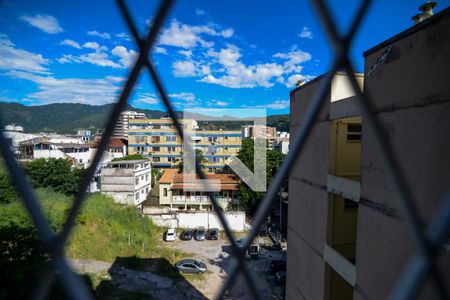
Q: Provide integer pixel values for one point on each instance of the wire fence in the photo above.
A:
(426, 243)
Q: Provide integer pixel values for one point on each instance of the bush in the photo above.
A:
(58, 174)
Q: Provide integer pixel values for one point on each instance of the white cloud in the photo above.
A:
(200, 12)
(189, 97)
(92, 45)
(71, 90)
(126, 56)
(226, 68)
(104, 35)
(184, 68)
(44, 22)
(124, 36)
(147, 98)
(293, 59)
(187, 36)
(12, 58)
(235, 74)
(306, 33)
(100, 57)
(160, 50)
(278, 104)
(219, 103)
(70, 43)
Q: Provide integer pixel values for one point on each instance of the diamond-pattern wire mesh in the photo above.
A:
(427, 243)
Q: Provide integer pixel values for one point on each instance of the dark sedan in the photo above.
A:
(212, 234)
(199, 234)
(190, 266)
(187, 235)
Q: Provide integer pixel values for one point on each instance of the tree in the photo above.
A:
(56, 173)
(198, 158)
(249, 198)
(8, 192)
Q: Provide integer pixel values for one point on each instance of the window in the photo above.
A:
(142, 191)
(146, 177)
(81, 161)
(139, 149)
(165, 192)
(136, 196)
(156, 159)
(212, 139)
(171, 159)
(140, 139)
(142, 177)
(156, 149)
(146, 190)
(136, 181)
(156, 139)
(171, 138)
(354, 132)
(170, 149)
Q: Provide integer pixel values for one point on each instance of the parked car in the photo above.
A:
(252, 251)
(280, 277)
(186, 235)
(199, 233)
(212, 234)
(277, 265)
(170, 235)
(190, 266)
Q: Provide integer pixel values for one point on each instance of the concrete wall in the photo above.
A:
(411, 93)
(236, 220)
(307, 213)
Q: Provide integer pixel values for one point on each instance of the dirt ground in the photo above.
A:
(216, 255)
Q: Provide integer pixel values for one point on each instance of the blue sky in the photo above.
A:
(211, 54)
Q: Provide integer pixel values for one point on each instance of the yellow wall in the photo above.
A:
(149, 137)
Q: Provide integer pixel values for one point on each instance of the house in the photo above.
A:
(179, 191)
(127, 181)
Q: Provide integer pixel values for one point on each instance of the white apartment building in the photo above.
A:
(121, 127)
(127, 181)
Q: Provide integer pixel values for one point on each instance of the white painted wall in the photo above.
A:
(236, 220)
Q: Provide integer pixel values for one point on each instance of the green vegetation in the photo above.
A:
(198, 158)
(104, 231)
(130, 157)
(56, 173)
(249, 198)
(68, 117)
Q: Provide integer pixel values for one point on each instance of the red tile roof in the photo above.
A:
(179, 181)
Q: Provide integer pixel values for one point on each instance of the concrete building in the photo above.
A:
(122, 125)
(157, 140)
(127, 181)
(117, 147)
(81, 154)
(16, 135)
(258, 131)
(177, 191)
(346, 236)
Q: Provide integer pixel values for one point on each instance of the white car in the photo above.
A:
(170, 235)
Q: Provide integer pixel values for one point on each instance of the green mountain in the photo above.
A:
(69, 117)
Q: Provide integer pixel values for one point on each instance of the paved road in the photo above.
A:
(216, 254)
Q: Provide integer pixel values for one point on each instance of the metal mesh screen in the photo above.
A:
(426, 243)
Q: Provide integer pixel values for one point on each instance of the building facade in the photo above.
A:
(157, 140)
(258, 131)
(127, 181)
(347, 238)
(122, 125)
(179, 191)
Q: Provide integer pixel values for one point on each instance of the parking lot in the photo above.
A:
(216, 255)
